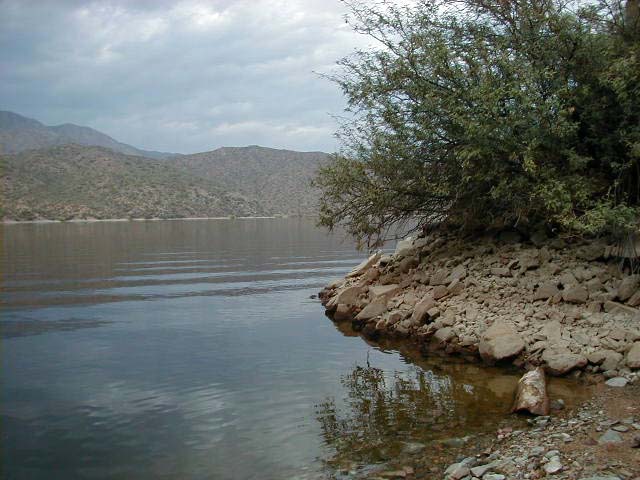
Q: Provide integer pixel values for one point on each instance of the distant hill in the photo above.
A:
(18, 133)
(75, 181)
(277, 179)
(68, 171)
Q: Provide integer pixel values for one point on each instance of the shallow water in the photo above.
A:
(192, 350)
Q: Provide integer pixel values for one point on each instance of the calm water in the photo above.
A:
(192, 350)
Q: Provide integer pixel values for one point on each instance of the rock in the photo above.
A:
(439, 292)
(380, 292)
(413, 448)
(493, 476)
(601, 477)
(610, 436)
(480, 470)
(560, 363)
(531, 395)
(501, 272)
(634, 301)
(407, 263)
(457, 471)
(421, 311)
(456, 287)
(633, 356)
(458, 273)
(500, 342)
(365, 265)
(611, 359)
(433, 313)
(546, 290)
(617, 382)
(439, 278)
(342, 313)
(445, 334)
(575, 294)
(628, 287)
(553, 465)
(635, 443)
(374, 309)
(618, 308)
(348, 296)
(404, 247)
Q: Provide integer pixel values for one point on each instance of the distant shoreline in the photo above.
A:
(102, 220)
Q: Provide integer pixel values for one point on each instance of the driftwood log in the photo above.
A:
(532, 393)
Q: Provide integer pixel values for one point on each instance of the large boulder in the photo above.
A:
(499, 342)
(531, 395)
(562, 362)
(365, 265)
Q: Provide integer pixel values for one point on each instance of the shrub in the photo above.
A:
(485, 113)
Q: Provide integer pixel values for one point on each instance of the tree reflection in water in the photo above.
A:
(382, 410)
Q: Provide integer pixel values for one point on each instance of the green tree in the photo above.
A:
(488, 113)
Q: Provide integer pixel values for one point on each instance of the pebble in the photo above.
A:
(610, 436)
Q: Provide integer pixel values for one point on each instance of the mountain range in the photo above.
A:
(72, 172)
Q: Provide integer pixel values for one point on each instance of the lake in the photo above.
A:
(194, 350)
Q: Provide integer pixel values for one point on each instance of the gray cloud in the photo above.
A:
(180, 76)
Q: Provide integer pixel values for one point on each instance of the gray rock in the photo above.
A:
(493, 476)
(553, 466)
(374, 309)
(601, 477)
(633, 356)
(342, 313)
(365, 265)
(443, 335)
(439, 292)
(383, 291)
(500, 342)
(404, 247)
(501, 272)
(457, 471)
(575, 294)
(617, 382)
(421, 310)
(560, 363)
(546, 290)
(480, 470)
(628, 286)
(610, 436)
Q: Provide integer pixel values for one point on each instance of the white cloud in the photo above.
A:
(181, 76)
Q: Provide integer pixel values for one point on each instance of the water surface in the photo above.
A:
(193, 350)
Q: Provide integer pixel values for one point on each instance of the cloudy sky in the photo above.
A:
(181, 76)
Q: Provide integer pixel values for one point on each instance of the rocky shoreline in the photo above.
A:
(565, 307)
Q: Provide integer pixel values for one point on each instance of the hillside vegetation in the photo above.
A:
(75, 181)
(278, 179)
